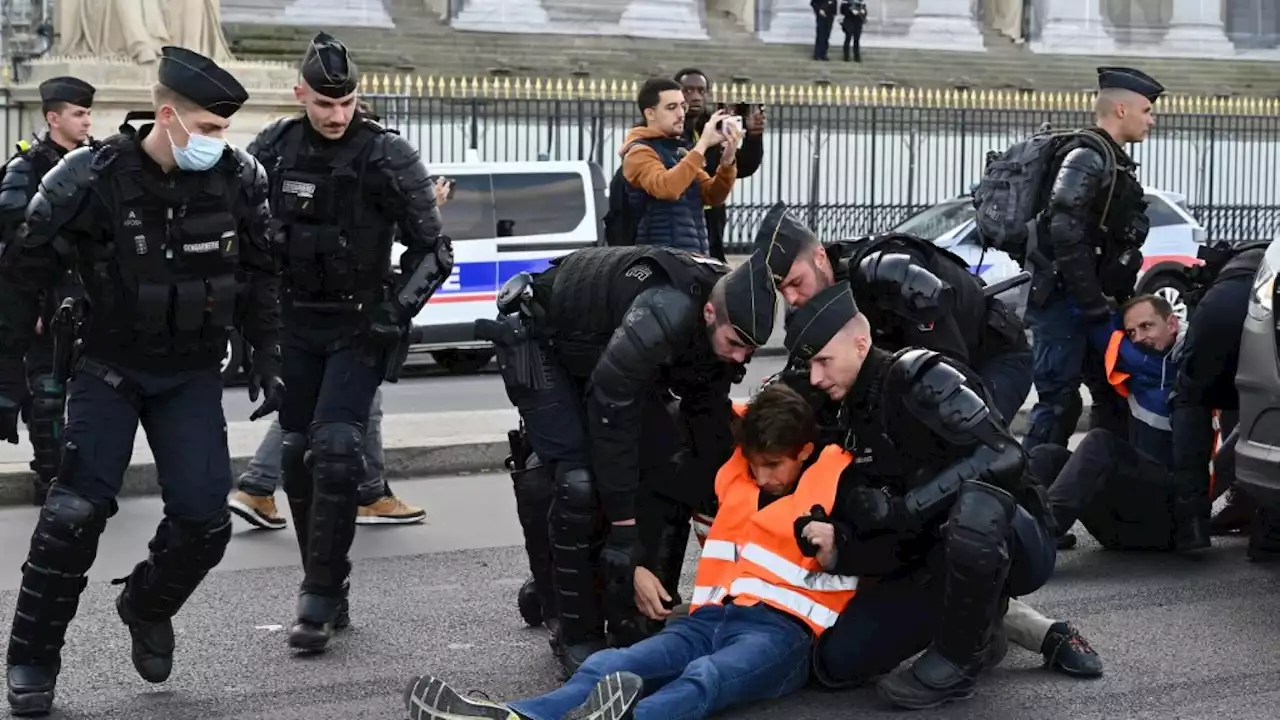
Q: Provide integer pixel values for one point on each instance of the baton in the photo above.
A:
(1008, 283)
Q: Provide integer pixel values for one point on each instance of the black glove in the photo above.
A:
(873, 509)
(9, 420)
(619, 556)
(272, 389)
(816, 514)
(389, 321)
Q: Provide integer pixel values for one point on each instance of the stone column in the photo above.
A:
(509, 16)
(945, 25)
(1196, 29)
(673, 19)
(792, 23)
(1073, 27)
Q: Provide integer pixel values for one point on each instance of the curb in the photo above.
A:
(487, 455)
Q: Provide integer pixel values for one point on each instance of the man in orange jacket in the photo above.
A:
(764, 592)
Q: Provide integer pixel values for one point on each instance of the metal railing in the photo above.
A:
(851, 160)
(854, 160)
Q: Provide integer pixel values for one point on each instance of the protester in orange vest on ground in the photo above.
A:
(1122, 490)
(764, 591)
(942, 512)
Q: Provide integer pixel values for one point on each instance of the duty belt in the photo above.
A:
(112, 377)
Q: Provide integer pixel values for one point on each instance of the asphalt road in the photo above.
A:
(429, 389)
(1181, 638)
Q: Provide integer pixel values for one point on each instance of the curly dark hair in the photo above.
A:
(778, 422)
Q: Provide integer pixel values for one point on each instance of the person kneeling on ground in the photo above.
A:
(760, 598)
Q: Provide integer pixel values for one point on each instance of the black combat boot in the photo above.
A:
(1264, 537)
(534, 488)
(337, 463)
(182, 554)
(63, 548)
(977, 565)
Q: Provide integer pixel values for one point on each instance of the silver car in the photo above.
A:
(1258, 380)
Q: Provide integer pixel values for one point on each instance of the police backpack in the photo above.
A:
(1014, 185)
(621, 221)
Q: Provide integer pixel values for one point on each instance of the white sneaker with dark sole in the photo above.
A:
(613, 698)
(430, 698)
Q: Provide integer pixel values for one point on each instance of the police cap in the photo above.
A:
(780, 240)
(1119, 78)
(750, 301)
(327, 67)
(817, 321)
(200, 80)
(68, 90)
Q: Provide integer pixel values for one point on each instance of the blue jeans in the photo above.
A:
(1060, 343)
(716, 658)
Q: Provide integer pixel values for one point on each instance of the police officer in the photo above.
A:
(1205, 382)
(67, 105)
(592, 352)
(940, 511)
(913, 293)
(341, 187)
(166, 227)
(1093, 225)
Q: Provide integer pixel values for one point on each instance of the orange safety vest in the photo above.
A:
(701, 522)
(752, 554)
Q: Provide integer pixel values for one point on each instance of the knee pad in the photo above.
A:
(66, 536)
(977, 532)
(534, 488)
(196, 546)
(575, 499)
(337, 457)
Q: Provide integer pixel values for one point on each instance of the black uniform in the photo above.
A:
(337, 206)
(19, 180)
(169, 262)
(1094, 225)
(1206, 382)
(937, 518)
(597, 351)
(853, 15)
(824, 14)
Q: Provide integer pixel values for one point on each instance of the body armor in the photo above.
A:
(336, 247)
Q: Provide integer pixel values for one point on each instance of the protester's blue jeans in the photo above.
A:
(716, 658)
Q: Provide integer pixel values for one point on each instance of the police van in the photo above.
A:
(504, 218)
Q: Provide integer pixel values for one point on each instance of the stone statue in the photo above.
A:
(136, 29)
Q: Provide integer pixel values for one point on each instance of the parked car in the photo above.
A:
(1258, 380)
(504, 218)
(1171, 246)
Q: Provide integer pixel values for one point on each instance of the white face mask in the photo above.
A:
(201, 153)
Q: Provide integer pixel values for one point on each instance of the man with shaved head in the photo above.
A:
(342, 188)
(1087, 255)
(940, 517)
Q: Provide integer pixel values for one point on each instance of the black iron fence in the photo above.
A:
(853, 160)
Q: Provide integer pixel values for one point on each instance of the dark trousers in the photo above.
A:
(182, 416)
(853, 35)
(328, 393)
(891, 620)
(822, 42)
(1064, 360)
(1007, 377)
(1123, 496)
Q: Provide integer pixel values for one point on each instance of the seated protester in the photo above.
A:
(667, 184)
(763, 592)
(938, 512)
(1122, 491)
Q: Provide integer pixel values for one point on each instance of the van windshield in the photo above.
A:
(938, 220)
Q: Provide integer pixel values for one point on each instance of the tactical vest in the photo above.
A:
(43, 157)
(168, 287)
(582, 302)
(336, 247)
(677, 224)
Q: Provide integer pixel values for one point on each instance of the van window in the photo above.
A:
(538, 203)
(1159, 214)
(468, 214)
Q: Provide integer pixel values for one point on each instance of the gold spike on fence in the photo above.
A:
(824, 94)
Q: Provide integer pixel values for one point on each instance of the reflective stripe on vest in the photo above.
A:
(1119, 380)
(751, 553)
